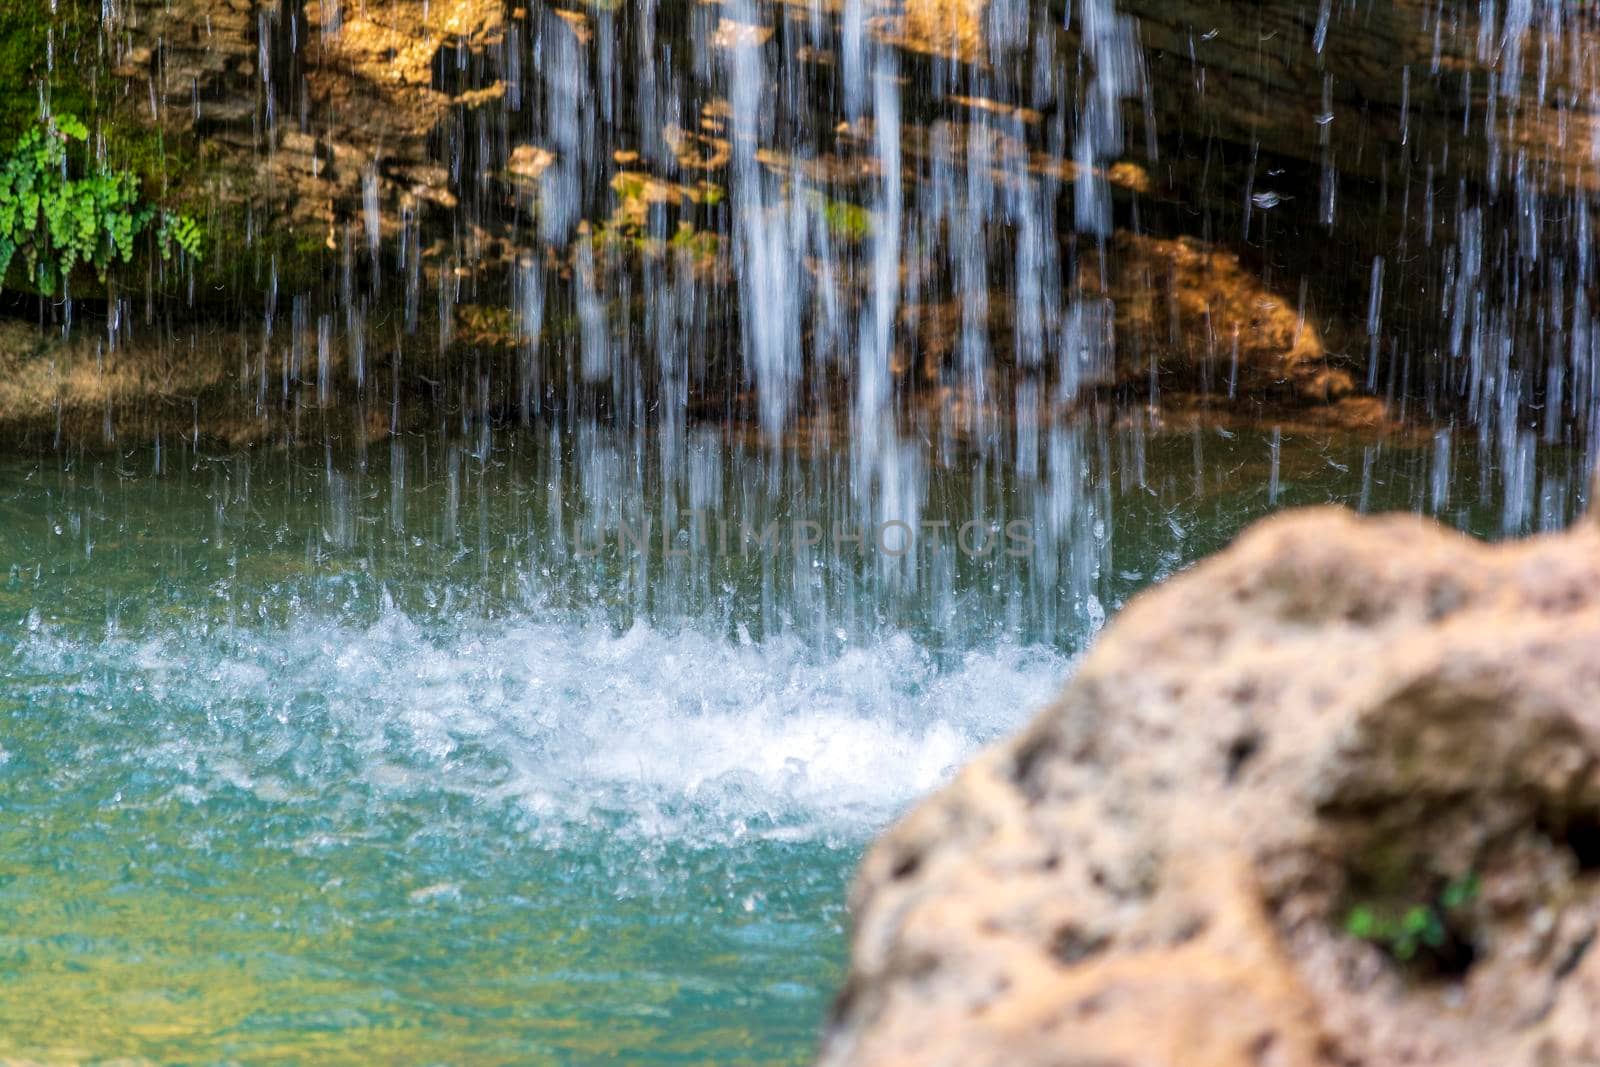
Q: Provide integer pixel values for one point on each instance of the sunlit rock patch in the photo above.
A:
(1217, 329)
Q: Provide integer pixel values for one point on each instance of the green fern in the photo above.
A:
(55, 222)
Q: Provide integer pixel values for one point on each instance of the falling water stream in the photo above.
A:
(527, 693)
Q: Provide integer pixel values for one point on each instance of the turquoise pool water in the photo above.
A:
(327, 756)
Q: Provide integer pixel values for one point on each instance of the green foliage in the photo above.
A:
(847, 222)
(1407, 931)
(57, 222)
(181, 232)
(629, 186)
(55, 58)
(698, 243)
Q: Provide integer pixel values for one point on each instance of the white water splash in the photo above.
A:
(681, 735)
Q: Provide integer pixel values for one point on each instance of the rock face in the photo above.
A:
(1204, 206)
(1209, 851)
(310, 110)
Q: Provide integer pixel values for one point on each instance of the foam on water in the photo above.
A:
(650, 731)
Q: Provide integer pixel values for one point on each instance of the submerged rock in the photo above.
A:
(1330, 798)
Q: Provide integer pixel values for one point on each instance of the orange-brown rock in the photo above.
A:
(1180, 861)
(345, 101)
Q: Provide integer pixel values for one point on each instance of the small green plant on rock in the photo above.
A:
(56, 222)
(1420, 932)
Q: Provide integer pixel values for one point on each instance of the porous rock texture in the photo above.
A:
(1337, 714)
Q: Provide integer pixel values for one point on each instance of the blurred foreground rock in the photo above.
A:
(1208, 851)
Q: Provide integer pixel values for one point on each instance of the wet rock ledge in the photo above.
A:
(1332, 797)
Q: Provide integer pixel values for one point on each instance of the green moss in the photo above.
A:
(699, 243)
(845, 221)
(30, 38)
(629, 186)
